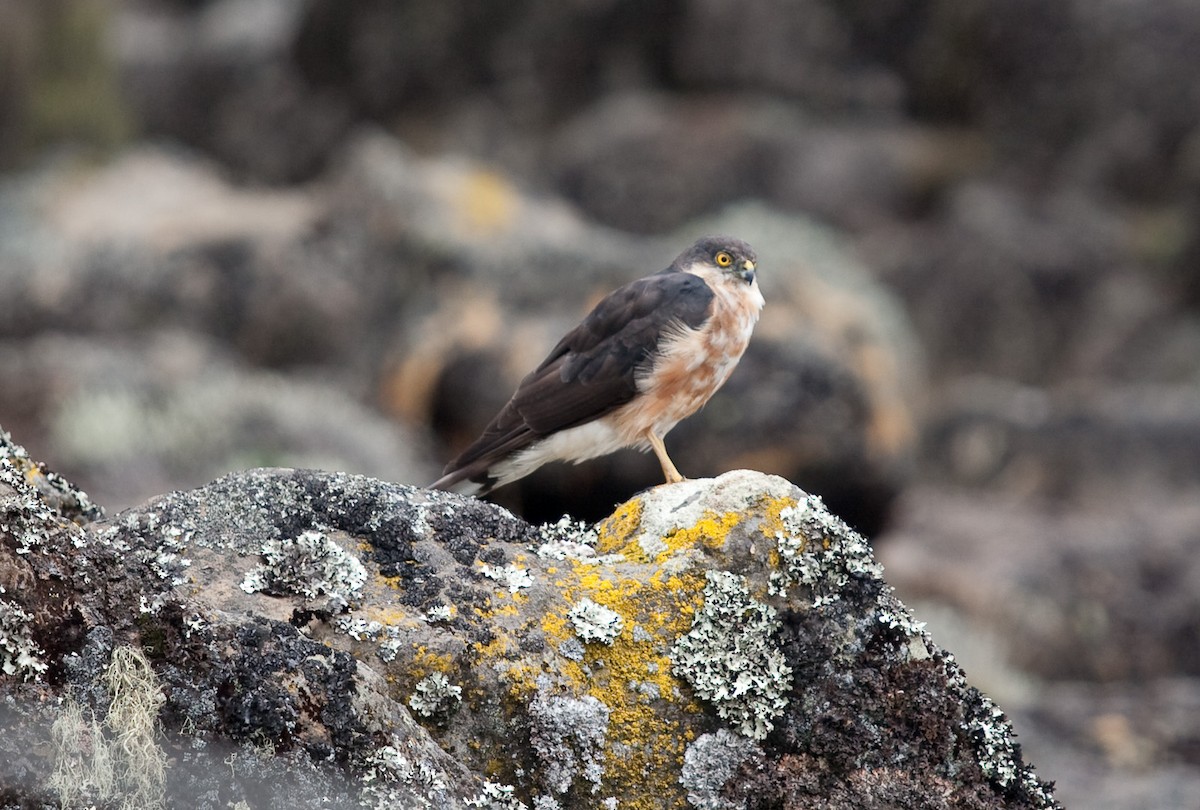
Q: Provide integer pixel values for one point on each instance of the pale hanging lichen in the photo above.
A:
(118, 761)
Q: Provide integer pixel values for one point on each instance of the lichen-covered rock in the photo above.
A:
(715, 643)
(250, 708)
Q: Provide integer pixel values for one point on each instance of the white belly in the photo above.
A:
(576, 444)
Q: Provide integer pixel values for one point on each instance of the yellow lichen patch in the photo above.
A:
(614, 532)
(556, 626)
(772, 525)
(426, 662)
(618, 534)
(384, 581)
(496, 767)
(632, 676)
(652, 714)
(710, 531)
(395, 620)
(418, 663)
(501, 646)
(503, 653)
(390, 616)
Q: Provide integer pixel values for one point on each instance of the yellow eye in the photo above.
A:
(724, 259)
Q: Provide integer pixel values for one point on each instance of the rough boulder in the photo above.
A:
(299, 638)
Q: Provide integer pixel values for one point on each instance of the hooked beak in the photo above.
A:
(746, 271)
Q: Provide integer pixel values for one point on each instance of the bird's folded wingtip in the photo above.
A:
(458, 481)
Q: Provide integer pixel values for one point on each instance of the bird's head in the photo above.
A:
(729, 256)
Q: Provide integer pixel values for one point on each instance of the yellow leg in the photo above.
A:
(660, 450)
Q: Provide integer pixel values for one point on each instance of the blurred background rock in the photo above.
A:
(268, 232)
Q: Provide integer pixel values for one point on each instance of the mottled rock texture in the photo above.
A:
(312, 639)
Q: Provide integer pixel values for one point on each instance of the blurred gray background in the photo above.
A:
(239, 233)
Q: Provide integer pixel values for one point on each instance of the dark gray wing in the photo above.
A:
(592, 371)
